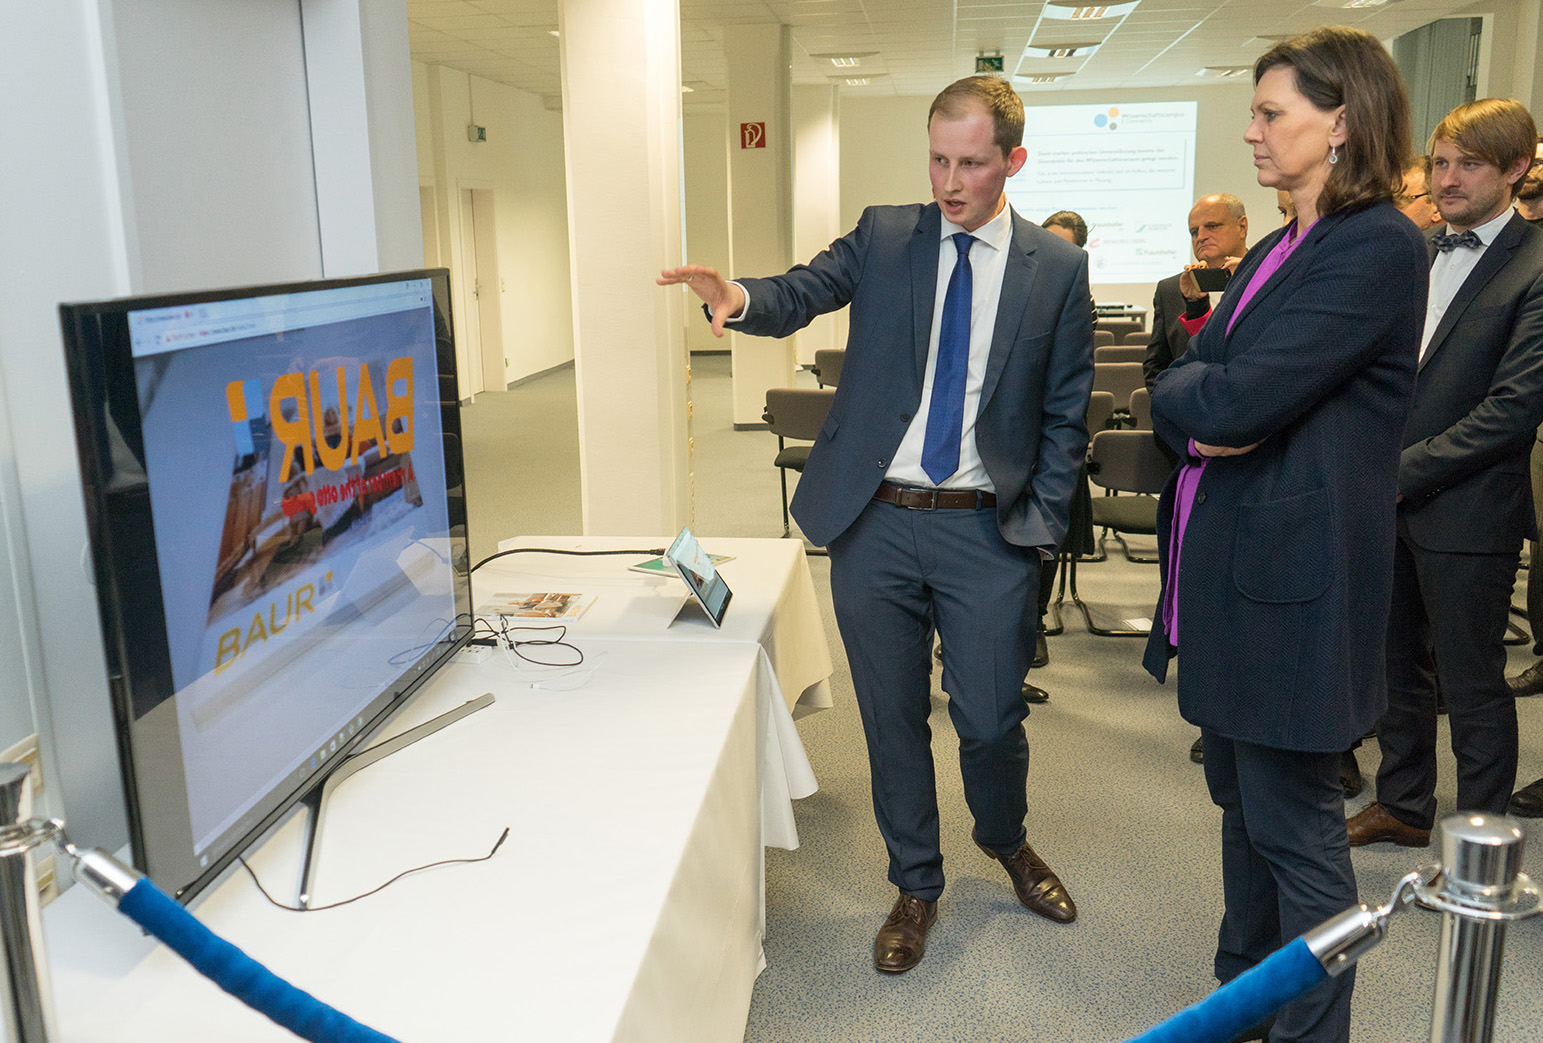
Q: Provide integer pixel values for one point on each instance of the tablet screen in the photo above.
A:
(702, 579)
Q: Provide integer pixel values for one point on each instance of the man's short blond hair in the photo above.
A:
(992, 93)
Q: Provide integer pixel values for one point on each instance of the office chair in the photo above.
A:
(1119, 327)
(1100, 409)
(1120, 353)
(795, 413)
(1141, 409)
(1128, 462)
(827, 366)
(1120, 379)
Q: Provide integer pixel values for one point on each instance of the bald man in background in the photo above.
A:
(1218, 234)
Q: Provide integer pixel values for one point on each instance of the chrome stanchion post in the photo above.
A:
(26, 1002)
(1479, 890)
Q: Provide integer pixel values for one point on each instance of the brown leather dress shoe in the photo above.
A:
(1039, 890)
(903, 937)
(1528, 682)
(1375, 822)
(1527, 802)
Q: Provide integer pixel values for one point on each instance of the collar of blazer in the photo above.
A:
(1496, 256)
(1017, 284)
(1255, 257)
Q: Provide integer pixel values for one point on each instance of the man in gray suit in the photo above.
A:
(941, 479)
(1464, 495)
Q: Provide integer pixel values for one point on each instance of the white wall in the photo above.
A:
(1513, 35)
(706, 180)
(522, 164)
(884, 154)
(817, 201)
(196, 173)
(149, 145)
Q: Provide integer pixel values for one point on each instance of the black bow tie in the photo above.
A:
(1448, 243)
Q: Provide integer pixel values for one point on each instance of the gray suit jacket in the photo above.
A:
(1478, 401)
(1029, 428)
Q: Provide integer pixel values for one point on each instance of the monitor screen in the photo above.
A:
(275, 500)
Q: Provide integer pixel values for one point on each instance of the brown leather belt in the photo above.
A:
(934, 499)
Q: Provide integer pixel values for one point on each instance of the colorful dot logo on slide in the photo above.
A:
(1107, 119)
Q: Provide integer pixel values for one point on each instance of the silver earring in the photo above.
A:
(1333, 154)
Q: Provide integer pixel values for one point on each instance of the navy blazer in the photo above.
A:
(1029, 429)
(1287, 566)
(1478, 402)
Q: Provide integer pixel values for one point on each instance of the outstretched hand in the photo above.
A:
(723, 298)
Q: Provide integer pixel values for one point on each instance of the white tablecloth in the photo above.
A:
(626, 905)
(774, 603)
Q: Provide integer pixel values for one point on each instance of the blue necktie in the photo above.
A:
(945, 415)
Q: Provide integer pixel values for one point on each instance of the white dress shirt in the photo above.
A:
(1451, 269)
(988, 261)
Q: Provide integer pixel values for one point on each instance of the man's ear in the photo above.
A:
(1518, 171)
(1016, 159)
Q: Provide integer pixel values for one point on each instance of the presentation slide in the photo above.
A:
(291, 507)
(1129, 170)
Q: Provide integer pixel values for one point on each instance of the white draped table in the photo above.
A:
(627, 903)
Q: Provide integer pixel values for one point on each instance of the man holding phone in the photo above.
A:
(1218, 234)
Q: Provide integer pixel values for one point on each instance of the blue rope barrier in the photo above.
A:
(1248, 999)
(238, 974)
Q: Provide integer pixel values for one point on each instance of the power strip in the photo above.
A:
(473, 654)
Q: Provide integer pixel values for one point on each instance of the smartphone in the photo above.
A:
(1211, 280)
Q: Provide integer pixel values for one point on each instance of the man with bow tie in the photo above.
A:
(1465, 498)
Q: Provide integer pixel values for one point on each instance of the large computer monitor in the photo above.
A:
(275, 500)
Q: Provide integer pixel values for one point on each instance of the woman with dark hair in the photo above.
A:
(1277, 532)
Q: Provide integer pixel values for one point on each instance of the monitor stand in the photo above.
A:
(315, 801)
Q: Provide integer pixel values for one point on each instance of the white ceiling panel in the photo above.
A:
(921, 44)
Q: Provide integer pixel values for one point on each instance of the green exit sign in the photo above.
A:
(988, 63)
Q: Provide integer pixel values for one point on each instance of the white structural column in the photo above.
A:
(816, 200)
(359, 85)
(760, 195)
(621, 128)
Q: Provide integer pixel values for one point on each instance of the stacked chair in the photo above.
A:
(795, 413)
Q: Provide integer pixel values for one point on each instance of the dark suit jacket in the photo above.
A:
(1478, 402)
(1169, 337)
(1286, 574)
(1029, 430)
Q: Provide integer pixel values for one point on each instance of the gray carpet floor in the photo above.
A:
(1115, 806)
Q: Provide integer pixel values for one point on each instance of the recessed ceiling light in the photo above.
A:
(846, 63)
(1061, 50)
(1049, 77)
(1224, 71)
(856, 81)
(1086, 13)
(687, 90)
(843, 58)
